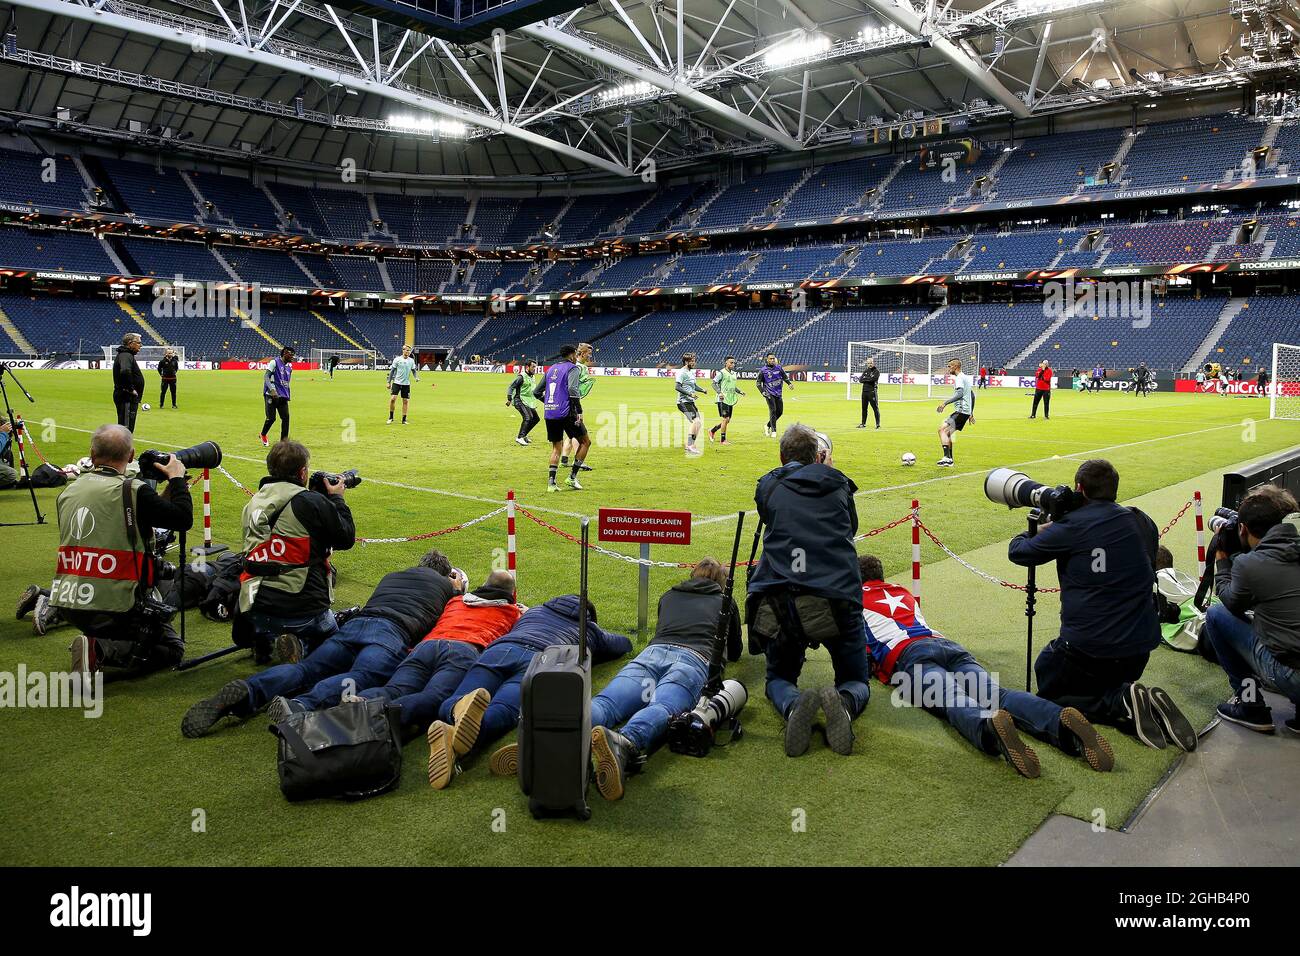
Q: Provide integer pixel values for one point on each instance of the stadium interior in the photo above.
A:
(663, 179)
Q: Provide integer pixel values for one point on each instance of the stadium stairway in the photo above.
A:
(257, 327)
(336, 330)
(1231, 309)
(109, 251)
(225, 263)
(771, 346)
(19, 340)
(141, 321)
(1042, 340)
(310, 275)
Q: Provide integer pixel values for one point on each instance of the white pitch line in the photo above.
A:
(969, 474)
(372, 481)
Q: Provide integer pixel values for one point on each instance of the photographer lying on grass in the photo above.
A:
(941, 677)
(363, 653)
(1263, 651)
(666, 678)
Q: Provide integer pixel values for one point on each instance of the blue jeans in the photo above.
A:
(312, 629)
(364, 653)
(941, 677)
(848, 651)
(661, 681)
(424, 680)
(1244, 658)
(500, 671)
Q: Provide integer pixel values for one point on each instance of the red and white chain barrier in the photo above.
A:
(207, 509)
(1200, 537)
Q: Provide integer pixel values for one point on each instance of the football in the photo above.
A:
(909, 458)
(144, 407)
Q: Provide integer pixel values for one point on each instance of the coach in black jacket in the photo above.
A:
(128, 381)
(168, 366)
(1105, 558)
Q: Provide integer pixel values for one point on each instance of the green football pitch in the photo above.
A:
(126, 788)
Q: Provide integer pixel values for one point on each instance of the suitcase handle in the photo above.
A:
(582, 591)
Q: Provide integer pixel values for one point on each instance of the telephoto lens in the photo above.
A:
(1015, 489)
(695, 732)
(205, 454)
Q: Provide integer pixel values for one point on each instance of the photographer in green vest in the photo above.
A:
(290, 531)
(105, 576)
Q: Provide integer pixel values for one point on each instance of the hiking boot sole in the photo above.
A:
(504, 761)
(609, 776)
(441, 758)
(468, 717)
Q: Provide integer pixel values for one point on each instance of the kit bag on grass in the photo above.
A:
(352, 751)
(47, 476)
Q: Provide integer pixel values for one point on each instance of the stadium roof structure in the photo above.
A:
(603, 88)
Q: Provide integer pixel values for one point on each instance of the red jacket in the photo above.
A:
(1043, 379)
(475, 621)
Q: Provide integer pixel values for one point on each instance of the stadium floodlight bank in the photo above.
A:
(147, 353)
(363, 358)
(1284, 386)
(908, 370)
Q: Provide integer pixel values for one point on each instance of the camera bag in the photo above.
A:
(350, 751)
(555, 721)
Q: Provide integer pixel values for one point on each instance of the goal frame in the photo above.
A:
(147, 353)
(1281, 351)
(368, 357)
(913, 359)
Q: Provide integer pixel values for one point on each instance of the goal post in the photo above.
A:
(1284, 386)
(907, 371)
(356, 358)
(147, 353)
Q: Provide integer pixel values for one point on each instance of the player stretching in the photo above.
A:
(585, 382)
(724, 383)
(963, 411)
(400, 374)
(687, 389)
(771, 377)
(520, 395)
(562, 407)
(275, 393)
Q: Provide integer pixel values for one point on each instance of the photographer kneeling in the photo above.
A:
(1266, 581)
(1105, 558)
(807, 590)
(290, 531)
(106, 566)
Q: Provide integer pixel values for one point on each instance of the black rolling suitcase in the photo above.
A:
(555, 726)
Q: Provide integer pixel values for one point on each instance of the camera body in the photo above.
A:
(1225, 525)
(205, 454)
(350, 478)
(695, 732)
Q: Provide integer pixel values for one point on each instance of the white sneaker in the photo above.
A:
(521, 441)
(944, 462)
(389, 422)
(693, 452)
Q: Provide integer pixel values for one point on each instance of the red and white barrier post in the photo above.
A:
(916, 550)
(207, 547)
(1200, 535)
(511, 546)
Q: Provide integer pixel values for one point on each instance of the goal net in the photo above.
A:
(908, 372)
(147, 353)
(348, 358)
(1284, 386)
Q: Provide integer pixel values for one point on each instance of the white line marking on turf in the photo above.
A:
(373, 481)
(970, 474)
